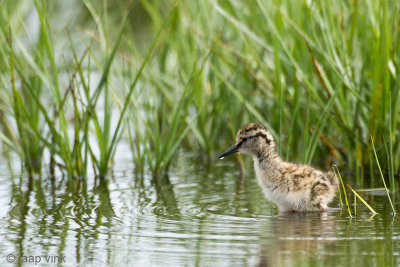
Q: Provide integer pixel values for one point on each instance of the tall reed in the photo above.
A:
(383, 178)
(202, 70)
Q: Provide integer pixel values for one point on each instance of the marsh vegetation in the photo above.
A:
(98, 89)
(182, 75)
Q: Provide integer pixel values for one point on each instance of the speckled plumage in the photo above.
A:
(293, 187)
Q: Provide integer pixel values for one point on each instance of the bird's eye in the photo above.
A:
(244, 139)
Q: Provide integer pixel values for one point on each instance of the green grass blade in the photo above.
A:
(133, 85)
(363, 201)
(383, 178)
(344, 191)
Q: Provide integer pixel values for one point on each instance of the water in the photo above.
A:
(199, 215)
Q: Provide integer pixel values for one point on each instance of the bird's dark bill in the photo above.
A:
(231, 150)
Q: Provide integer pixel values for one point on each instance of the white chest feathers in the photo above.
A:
(286, 199)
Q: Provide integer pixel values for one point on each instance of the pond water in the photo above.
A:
(198, 215)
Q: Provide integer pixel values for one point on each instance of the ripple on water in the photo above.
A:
(197, 219)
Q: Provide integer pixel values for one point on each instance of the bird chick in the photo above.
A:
(293, 187)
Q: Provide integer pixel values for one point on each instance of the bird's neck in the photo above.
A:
(267, 157)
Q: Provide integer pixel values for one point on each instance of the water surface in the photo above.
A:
(198, 215)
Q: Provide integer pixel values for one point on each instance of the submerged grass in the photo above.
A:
(194, 73)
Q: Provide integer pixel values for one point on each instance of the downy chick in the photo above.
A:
(293, 187)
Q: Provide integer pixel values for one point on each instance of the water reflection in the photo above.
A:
(41, 217)
(17, 222)
(292, 233)
(167, 203)
(195, 216)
